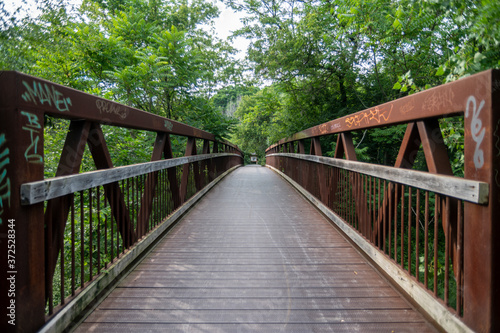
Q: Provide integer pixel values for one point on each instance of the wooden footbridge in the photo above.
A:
(195, 242)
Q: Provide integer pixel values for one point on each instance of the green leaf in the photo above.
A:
(397, 24)
(399, 12)
(440, 70)
(478, 57)
(397, 86)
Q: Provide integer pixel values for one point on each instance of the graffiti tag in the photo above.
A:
(375, 115)
(34, 128)
(111, 108)
(4, 180)
(477, 130)
(408, 107)
(168, 125)
(44, 93)
(335, 126)
(439, 100)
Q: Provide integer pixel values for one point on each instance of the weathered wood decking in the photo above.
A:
(254, 256)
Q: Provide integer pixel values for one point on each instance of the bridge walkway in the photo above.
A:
(254, 256)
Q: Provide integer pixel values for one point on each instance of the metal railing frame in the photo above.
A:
(476, 99)
(34, 210)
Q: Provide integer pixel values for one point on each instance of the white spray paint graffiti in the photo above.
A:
(44, 93)
(33, 126)
(477, 130)
(4, 180)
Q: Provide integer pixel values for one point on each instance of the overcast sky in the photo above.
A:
(227, 22)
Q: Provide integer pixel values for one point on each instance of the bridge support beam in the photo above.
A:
(482, 159)
(22, 279)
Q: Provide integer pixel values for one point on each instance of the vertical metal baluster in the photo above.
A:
(349, 197)
(359, 202)
(131, 215)
(436, 230)
(151, 199)
(367, 209)
(153, 215)
(161, 195)
(364, 207)
(396, 195)
(350, 200)
(417, 238)
(49, 283)
(131, 205)
(356, 201)
(153, 206)
(426, 242)
(73, 263)
(82, 241)
(460, 256)
(447, 251)
(63, 278)
(409, 228)
(389, 194)
(98, 199)
(379, 205)
(106, 233)
(112, 234)
(344, 196)
(374, 209)
(120, 220)
(91, 272)
(341, 199)
(137, 196)
(402, 219)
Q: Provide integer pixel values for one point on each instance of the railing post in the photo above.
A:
(22, 286)
(482, 227)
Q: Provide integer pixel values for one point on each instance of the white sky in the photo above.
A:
(227, 22)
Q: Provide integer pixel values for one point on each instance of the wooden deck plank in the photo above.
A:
(254, 256)
(260, 328)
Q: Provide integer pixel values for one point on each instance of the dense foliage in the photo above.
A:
(330, 58)
(152, 55)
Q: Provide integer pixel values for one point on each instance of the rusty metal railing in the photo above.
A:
(59, 235)
(432, 233)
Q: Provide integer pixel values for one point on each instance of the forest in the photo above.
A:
(308, 61)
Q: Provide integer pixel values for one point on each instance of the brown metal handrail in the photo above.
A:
(58, 235)
(437, 228)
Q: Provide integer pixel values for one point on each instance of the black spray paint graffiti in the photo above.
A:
(4, 180)
(33, 126)
(44, 93)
